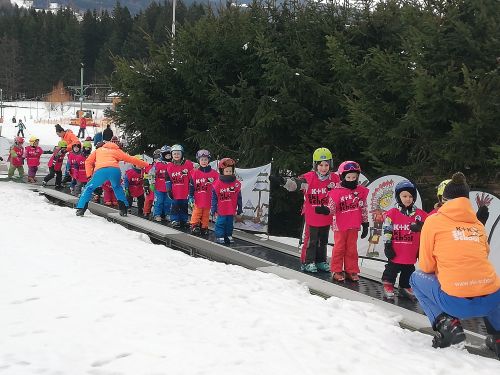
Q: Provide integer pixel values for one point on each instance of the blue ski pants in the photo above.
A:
(179, 210)
(224, 226)
(162, 204)
(434, 301)
(100, 177)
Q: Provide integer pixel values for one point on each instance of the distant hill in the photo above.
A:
(134, 6)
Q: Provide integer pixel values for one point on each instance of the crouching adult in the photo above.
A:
(456, 280)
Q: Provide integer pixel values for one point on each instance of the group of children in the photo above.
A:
(338, 202)
(173, 184)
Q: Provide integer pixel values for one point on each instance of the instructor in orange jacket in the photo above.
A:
(456, 280)
(102, 165)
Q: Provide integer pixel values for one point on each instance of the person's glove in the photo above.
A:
(277, 180)
(191, 202)
(416, 226)
(389, 250)
(1, 159)
(67, 178)
(364, 231)
(483, 214)
(147, 190)
(322, 210)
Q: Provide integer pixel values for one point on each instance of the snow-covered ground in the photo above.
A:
(85, 296)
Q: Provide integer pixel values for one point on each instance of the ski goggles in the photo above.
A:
(353, 166)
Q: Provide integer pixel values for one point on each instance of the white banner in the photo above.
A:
(255, 195)
(492, 224)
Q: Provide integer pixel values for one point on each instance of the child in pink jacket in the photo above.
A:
(32, 153)
(347, 204)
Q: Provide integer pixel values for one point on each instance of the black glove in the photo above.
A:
(365, 227)
(483, 214)
(322, 210)
(1, 159)
(389, 250)
(416, 226)
(147, 190)
(66, 179)
(277, 180)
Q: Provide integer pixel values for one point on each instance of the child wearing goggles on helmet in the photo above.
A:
(401, 232)
(55, 164)
(76, 161)
(200, 192)
(315, 185)
(33, 152)
(134, 186)
(16, 158)
(178, 186)
(226, 201)
(347, 205)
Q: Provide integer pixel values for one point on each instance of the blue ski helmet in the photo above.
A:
(408, 186)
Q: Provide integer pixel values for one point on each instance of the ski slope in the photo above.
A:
(85, 296)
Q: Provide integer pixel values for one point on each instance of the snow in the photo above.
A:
(85, 296)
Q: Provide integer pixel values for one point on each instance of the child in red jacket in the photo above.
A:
(16, 158)
(55, 164)
(200, 192)
(76, 160)
(347, 204)
(401, 228)
(226, 201)
(134, 186)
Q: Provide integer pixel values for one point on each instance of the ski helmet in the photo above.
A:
(19, 140)
(164, 149)
(76, 144)
(138, 156)
(203, 154)
(178, 148)
(224, 163)
(348, 167)
(408, 186)
(87, 144)
(62, 144)
(166, 152)
(89, 138)
(115, 140)
(441, 186)
(322, 154)
(33, 139)
(156, 154)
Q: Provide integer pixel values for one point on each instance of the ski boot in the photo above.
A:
(123, 208)
(195, 230)
(323, 267)
(175, 224)
(204, 231)
(407, 293)
(449, 331)
(309, 267)
(44, 183)
(220, 240)
(81, 211)
(338, 276)
(352, 276)
(31, 180)
(58, 187)
(230, 239)
(388, 290)
(490, 342)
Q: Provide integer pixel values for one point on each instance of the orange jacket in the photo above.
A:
(454, 246)
(108, 156)
(70, 138)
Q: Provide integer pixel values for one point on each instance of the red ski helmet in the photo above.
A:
(226, 162)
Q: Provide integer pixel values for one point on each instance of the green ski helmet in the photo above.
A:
(322, 154)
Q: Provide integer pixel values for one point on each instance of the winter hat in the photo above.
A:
(457, 187)
(59, 128)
